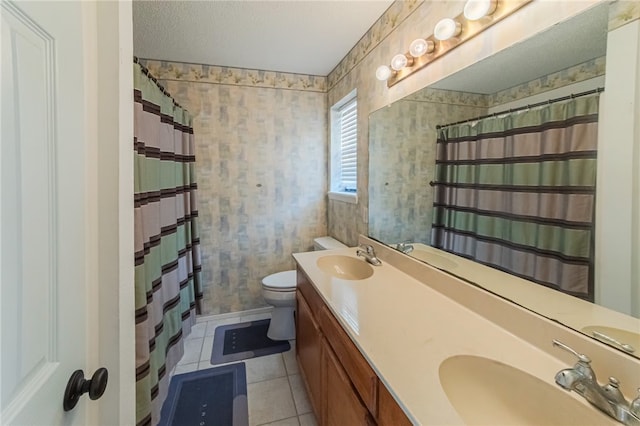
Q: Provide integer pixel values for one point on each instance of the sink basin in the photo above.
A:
(629, 339)
(433, 259)
(487, 392)
(345, 267)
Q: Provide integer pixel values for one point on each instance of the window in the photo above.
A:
(344, 149)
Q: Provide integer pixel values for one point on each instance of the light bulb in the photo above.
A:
(383, 73)
(399, 61)
(447, 28)
(420, 46)
(476, 9)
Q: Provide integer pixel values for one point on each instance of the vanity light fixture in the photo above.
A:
(420, 46)
(383, 73)
(447, 28)
(477, 9)
(400, 61)
(447, 35)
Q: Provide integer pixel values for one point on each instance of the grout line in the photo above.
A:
(286, 418)
(295, 406)
(200, 352)
(202, 349)
(272, 378)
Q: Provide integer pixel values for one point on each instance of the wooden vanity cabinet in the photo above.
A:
(360, 373)
(309, 353)
(343, 388)
(389, 412)
(343, 405)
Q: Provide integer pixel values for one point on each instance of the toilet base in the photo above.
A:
(282, 325)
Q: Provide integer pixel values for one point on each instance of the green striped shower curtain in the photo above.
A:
(517, 193)
(167, 258)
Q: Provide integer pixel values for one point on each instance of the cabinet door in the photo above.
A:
(309, 353)
(358, 370)
(389, 412)
(343, 406)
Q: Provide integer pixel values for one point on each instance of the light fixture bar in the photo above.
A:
(469, 30)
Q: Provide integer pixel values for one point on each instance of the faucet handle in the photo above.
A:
(581, 357)
(612, 389)
(366, 247)
(634, 407)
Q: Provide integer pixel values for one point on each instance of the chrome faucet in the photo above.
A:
(608, 398)
(369, 254)
(404, 247)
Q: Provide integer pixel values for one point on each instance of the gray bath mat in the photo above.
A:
(245, 340)
(216, 397)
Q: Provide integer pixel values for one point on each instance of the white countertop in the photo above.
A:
(568, 310)
(405, 330)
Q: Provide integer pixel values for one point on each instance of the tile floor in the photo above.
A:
(275, 391)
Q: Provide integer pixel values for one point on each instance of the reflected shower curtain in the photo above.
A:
(517, 193)
(167, 258)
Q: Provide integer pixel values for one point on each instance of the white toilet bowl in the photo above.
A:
(279, 291)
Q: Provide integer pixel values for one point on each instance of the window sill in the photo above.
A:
(345, 197)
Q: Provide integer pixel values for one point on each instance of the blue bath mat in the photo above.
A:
(243, 341)
(212, 397)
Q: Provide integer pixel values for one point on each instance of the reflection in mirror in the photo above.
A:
(403, 178)
(516, 191)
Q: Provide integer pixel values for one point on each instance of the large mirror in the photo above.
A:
(565, 60)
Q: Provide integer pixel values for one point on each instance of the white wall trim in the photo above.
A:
(257, 311)
(346, 197)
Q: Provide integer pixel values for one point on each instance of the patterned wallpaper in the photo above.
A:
(580, 72)
(261, 170)
(621, 12)
(388, 22)
(199, 73)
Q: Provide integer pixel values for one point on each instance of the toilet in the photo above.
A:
(279, 291)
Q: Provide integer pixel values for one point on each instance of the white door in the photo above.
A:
(47, 228)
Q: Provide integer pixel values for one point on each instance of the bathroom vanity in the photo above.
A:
(404, 343)
(342, 386)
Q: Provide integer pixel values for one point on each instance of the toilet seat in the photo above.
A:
(284, 281)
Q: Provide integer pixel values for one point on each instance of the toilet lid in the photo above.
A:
(281, 281)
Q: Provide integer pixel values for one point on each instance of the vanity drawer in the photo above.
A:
(362, 376)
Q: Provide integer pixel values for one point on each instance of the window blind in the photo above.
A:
(348, 146)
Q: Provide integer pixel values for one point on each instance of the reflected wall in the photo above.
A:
(402, 153)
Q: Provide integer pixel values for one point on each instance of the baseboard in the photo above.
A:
(238, 314)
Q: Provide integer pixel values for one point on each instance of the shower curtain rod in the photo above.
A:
(547, 102)
(146, 72)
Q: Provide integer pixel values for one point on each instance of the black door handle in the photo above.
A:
(78, 385)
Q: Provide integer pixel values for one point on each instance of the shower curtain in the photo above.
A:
(167, 258)
(517, 192)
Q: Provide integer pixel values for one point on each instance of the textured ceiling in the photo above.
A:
(306, 37)
(568, 43)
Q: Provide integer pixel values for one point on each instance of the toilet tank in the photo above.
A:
(327, 243)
